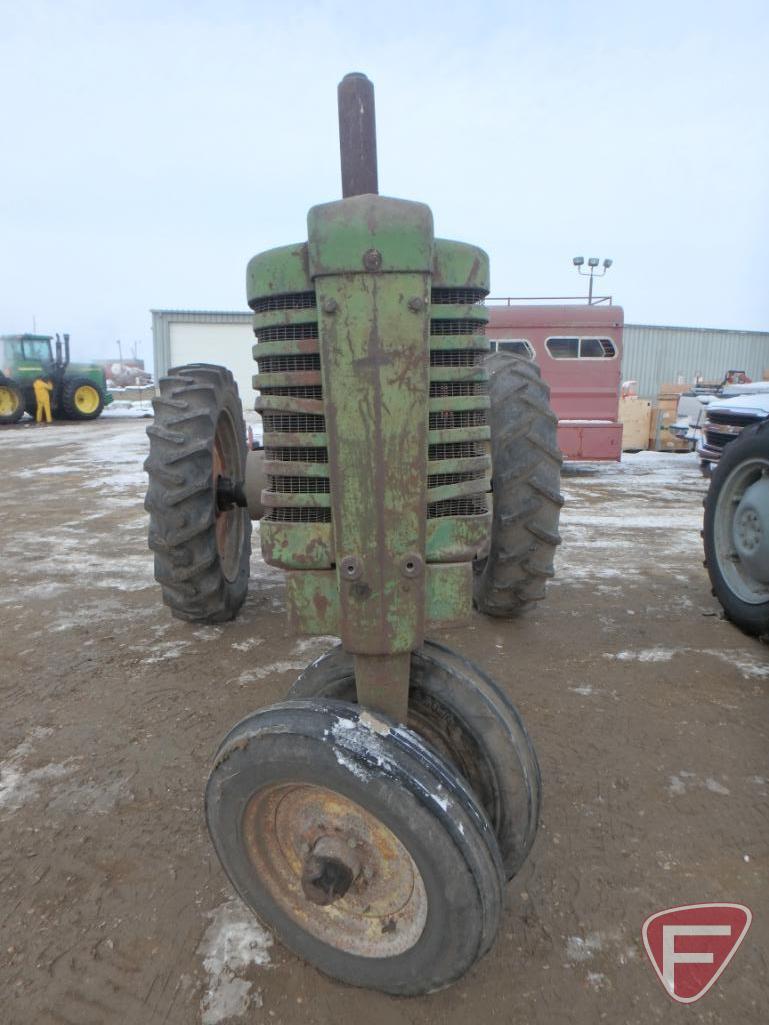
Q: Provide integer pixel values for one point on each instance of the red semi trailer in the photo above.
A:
(579, 351)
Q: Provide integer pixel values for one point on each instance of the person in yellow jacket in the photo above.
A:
(43, 391)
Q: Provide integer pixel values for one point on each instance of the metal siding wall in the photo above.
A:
(658, 355)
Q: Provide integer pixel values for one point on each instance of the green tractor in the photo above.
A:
(373, 818)
(79, 389)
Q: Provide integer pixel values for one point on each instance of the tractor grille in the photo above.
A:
(439, 480)
(457, 296)
(289, 301)
(289, 364)
(290, 379)
(456, 450)
(461, 418)
(457, 357)
(283, 454)
(293, 423)
(473, 505)
(457, 327)
(287, 332)
(300, 391)
(299, 485)
(298, 514)
(289, 376)
(439, 389)
(458, 405)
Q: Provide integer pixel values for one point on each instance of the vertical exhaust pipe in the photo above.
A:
(357, 135)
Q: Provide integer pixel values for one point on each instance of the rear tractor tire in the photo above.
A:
(11, 403)
(526, 475)
(81, 399)
(202, 548)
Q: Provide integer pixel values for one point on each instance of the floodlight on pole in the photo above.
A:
(592, 262)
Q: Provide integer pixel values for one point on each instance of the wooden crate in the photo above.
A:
(634, 415)
(660, 437)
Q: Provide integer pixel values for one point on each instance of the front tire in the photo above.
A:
(526, 474)
(357, 844)
(202, 553)
(736, 530)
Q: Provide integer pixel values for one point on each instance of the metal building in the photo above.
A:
(656, 355)
(653, 355)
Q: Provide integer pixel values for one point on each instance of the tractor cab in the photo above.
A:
(25, 354)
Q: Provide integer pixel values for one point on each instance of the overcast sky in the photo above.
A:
(149, 149)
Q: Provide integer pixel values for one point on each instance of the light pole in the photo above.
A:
(593, 261)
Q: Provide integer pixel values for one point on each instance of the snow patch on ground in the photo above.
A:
(261, 672)
(164, 650)
(232, 943)
(208, 633)
(683, 781)
(647, 655)
(582, 948)
(20, 785)
(597, 980)
(607, 537)
(748, 666)
(247, 645)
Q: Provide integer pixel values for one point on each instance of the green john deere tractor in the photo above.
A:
(373, 818)
(79, 389)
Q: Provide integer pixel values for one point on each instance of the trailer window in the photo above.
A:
(518, 346)
(596, 348)
(563, 348)
(581, 348)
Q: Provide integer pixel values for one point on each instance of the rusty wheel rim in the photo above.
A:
(336, 869)
(229, 523)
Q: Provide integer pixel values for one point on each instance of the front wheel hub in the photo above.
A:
(329, 870)
(751, 529)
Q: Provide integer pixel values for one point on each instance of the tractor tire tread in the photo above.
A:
(180, 495)
(525, 480)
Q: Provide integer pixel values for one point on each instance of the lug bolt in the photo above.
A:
(417, 304)
(330, 305)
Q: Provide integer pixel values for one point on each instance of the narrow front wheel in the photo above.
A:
(357, 843)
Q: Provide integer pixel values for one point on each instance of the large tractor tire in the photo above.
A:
(81, 399)
(736, 531)
(202, 547)
(11, 402)
(526, 474)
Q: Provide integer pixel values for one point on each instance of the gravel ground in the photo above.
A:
(648, 710)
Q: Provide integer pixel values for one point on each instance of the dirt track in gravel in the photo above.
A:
(649, 713)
